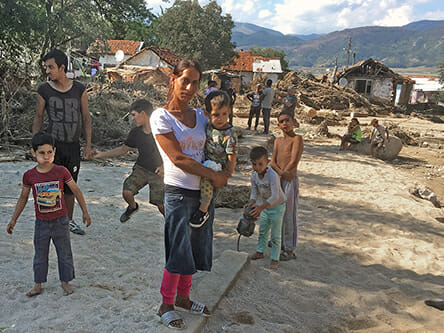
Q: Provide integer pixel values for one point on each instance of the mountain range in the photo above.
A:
(415, 44)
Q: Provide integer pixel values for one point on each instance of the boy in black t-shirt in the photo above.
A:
(148, 167)
(66, 105)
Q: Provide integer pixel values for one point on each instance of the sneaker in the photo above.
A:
(75, 229)
(199, 218)
(128, 213)
(287, 255)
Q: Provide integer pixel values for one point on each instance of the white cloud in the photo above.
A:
(246, 6)
(396, 16)
(264, 13)
(323, 16)
(438, 15)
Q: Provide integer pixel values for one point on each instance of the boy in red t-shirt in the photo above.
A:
(46, 181)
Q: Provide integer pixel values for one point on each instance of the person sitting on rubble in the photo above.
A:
(377, 136)
(353, 134)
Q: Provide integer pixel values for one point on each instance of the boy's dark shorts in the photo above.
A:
(68, 155)
(139, 178)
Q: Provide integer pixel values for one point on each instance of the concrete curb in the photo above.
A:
(213, 287)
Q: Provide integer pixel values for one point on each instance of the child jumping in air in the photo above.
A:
(287, 153)
(47, 181)
(220, 149)
(148, 168)
(268, 202)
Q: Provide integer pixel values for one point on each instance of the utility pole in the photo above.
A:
(349, 50)
(333, 75)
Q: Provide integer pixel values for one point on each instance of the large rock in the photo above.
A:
(389, 152)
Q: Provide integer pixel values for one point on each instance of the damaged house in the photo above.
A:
(150, 62)
(377, 82)
(106, 51)
(245, 67)
(425, 88)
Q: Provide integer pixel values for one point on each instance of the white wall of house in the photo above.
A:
(149, 59)
(427, 84)
(383, 89)
(269, 66)
(110, 60)
(247, 77)
(379, 88)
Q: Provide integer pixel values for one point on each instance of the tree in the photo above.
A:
(30, 28)
(195, 32)
(270, 52)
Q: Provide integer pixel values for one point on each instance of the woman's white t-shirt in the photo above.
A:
(191, 141)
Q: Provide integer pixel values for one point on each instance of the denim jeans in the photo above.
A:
(254, 112)
(266, 115)
(271, 218)
(186, 249)
(57, 230)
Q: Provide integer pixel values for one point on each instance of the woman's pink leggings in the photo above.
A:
(172, 283)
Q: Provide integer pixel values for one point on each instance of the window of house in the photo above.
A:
(368, 88)
(360, 86)
(364, 87)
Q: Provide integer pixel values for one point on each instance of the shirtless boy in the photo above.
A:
(287, 153)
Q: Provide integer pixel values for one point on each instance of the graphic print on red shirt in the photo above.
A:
(47, 189)
(49, 196)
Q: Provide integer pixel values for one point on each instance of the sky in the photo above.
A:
(323, 16)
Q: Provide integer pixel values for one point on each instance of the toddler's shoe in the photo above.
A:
(199, 218)
(75, 229)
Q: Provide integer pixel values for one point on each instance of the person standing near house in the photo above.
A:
(232, 94)
(266, 103)
(66, 104)
(255, 108)
(179, 131)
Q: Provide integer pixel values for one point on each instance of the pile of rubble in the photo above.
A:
(319, 95)
(318, 100)
(158, 77)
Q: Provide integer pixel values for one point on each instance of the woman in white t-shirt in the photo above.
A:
(179, 131)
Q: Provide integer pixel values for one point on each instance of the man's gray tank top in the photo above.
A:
(64, 111)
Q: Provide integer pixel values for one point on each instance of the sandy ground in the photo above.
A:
(369, 254)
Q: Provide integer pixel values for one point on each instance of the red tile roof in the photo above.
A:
(129, 47)
(244, 62)
(430, 78)
(165, 55)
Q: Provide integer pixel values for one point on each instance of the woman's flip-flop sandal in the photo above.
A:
(197, 308)
(168, 317)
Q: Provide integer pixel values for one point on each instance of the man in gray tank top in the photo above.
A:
(66, 104)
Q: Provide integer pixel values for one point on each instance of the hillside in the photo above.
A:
(415, 44)
(246, 35)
